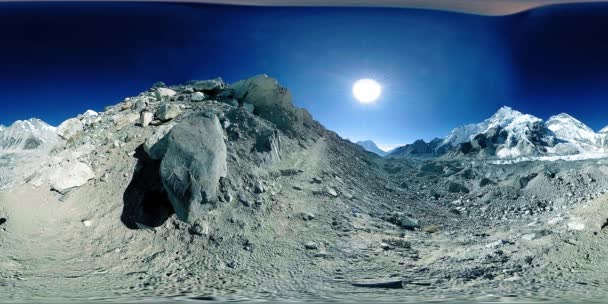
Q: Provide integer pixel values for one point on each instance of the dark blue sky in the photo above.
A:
(439, 70)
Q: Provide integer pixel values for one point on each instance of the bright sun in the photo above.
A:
(366, 90)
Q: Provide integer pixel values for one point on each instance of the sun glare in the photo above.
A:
(366, 90)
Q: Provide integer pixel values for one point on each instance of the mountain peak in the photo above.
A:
(573, 131)
(565, 118)
(506, 110)
(364, 142)
(563, 115)
(504, 116)
(371, 146)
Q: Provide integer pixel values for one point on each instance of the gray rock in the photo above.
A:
(164, 93)
(244, 199)
(140, 104)
(209, 85)
(457, 188)
(270, 100)
(69, 128)
(269, 145)
(69, 175)
(311, 245)
(199, 228)
(197, 96)
(307, 216)
(321, 254)
(145, 118)
(485, 182)
(402, 220)
(331, 191)
(167, 112)
(124, 119)
(193, 164)
(258, 187)
(156, 145)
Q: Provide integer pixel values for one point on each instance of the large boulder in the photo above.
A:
(70, 175)
(270, 101)
(209, 85)
(64, 176)
(69, 128)
(197, 96)
(193, 165)
(164, 93)
(167, 112)
(156, 145)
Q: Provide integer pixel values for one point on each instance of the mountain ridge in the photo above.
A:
(510, 134)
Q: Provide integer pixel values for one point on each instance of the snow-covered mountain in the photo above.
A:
(574, 132)
(507, 134)
(503, 117)
(371, 147)
(511, 134)
(27, 135)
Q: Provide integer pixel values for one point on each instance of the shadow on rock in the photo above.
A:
(146, 204)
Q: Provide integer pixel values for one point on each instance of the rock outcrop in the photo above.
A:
(270, 101)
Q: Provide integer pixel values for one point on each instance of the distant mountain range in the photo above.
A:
(510, 134)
